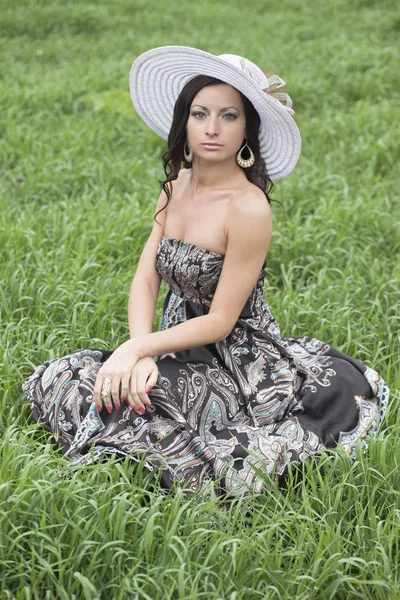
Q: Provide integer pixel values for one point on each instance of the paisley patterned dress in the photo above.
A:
(226, 414)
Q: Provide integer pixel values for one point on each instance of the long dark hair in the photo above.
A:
(173, 157)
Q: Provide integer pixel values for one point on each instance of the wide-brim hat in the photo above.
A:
(158, 76)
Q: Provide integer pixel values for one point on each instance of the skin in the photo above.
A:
(227, 127)
(249, 227)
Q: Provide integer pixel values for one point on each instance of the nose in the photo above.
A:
(212, 125)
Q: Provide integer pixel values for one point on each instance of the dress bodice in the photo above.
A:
(192, 272)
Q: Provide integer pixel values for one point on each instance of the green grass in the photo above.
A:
(78, 185)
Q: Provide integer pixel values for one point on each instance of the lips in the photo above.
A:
(212, 145)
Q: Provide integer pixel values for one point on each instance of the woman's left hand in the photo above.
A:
(117, 369)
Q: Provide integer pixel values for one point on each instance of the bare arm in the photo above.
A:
(141, 307)
(146, 282)
(249, 234)
(195, 332)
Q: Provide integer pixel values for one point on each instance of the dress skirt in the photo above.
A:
(228, 413)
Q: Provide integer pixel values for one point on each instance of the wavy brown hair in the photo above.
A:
(173, 157)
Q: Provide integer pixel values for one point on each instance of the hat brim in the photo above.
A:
(158, 76)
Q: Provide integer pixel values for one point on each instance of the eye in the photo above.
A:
(233, 115)
(195, 114)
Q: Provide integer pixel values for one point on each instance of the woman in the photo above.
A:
(217, 391)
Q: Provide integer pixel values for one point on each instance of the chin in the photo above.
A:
(213, 154)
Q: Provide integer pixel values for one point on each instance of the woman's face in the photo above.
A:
(216, 116)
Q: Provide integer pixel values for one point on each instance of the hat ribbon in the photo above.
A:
(275, 89)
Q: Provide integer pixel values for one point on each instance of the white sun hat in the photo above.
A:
(158, 76)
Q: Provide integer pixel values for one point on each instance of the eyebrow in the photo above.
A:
(222, 109)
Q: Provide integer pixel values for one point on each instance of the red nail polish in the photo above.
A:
(148, 389)
(117, 406)
(109, 409)
(135, 408)
(98, 408)
(123, 400)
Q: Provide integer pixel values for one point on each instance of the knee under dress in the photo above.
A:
(254, 399)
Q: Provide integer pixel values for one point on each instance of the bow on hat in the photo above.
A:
(276, 89)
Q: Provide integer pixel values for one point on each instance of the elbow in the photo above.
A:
(221, 328)
(221, 338)
(224, 334)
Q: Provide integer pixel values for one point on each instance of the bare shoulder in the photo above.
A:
(175, 185)
(249, 229)
(250, 210)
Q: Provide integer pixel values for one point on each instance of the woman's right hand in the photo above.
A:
(143, 378)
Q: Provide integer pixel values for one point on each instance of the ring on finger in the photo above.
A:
(106, 388)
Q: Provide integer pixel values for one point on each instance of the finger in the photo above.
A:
(137, 400)
(97, 391)
(153, 377)
(108, 403)
(106, 398)
(130, 399)
(115, 391)
(124, 389)
(145, 400)
(137, 406)
(133, 393)
(142, 390)
(152, 380)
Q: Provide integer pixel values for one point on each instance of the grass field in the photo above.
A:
(78, 179)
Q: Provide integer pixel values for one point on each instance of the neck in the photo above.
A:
(206, 176)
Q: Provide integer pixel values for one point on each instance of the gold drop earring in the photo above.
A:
(188, 155)
(242, 162)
